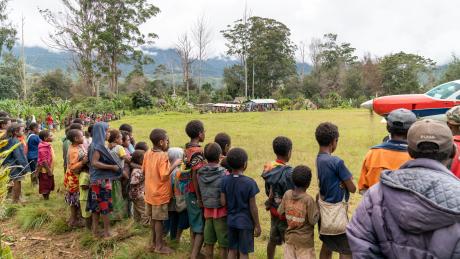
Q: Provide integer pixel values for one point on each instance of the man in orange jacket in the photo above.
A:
(389, 155)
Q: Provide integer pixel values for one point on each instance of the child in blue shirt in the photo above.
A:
(238, 193)
(335, 185)
(32, 150)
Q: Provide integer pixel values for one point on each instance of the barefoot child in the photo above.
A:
(302, 214)
(102, 169)
(157, 170)
(209, 179)
(45, 163)
(76, 163)
(120, 206)
(136, 190)
(238, 193)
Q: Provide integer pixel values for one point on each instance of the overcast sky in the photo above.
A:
(428, 28)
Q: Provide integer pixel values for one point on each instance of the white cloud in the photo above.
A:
(426, 27)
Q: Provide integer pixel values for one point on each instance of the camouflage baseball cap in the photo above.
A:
(430, 131)
(401, 119)
(453, 115)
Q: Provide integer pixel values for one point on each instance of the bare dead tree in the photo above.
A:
(184, 49)
(302, 48)
(202, 38)
(315, 50)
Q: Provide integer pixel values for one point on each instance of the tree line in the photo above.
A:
(103, 35)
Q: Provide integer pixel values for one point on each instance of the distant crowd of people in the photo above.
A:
(409, 182)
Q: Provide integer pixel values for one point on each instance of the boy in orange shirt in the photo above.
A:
(389, 155)
(157, 170)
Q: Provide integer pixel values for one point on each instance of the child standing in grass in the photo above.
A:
(301, 213)
(32, 150)
(66, 142)
(16, 159)
(238, 193)
(77, 162)
(277, 177)
(335, 186)
(209, 179)
(45, 168)
(136, 190)
(157, 170)
(120, 205)
(102, 169)
(177, 208)
(194, 160)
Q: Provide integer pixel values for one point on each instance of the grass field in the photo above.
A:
(252, 131)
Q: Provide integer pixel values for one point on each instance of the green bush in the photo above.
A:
(284, 104)
(140, 99)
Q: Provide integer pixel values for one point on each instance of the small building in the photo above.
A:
(225, 107)
(261, 105)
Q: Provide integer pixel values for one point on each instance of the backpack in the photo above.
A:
(277, 182)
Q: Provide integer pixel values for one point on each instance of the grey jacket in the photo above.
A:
(414, 212)
(209, 181)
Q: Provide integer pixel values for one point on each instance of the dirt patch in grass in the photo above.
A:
(41, 243)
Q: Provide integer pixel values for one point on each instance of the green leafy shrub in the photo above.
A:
(284, 104)
(140, 99)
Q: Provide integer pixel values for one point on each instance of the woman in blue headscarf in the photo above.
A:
(102, 169)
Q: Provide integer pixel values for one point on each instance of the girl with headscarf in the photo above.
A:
(102, 169)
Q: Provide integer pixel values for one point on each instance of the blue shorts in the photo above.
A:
(241, 240)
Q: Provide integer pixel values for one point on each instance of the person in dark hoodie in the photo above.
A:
(414, 212)
(389, 155)
(277, 176)
(209, 181)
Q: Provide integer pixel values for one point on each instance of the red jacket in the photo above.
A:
(455, 167)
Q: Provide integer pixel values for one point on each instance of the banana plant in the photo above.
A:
(62, 109)
(5, 251)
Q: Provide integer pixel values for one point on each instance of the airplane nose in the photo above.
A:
(367, 104)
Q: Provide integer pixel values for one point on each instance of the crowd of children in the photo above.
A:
(109, 176)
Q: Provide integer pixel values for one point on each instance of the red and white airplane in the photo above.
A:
(433, 104)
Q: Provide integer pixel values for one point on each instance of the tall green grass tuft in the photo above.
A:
(33, 217)
(8, 211)
(59, 226)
